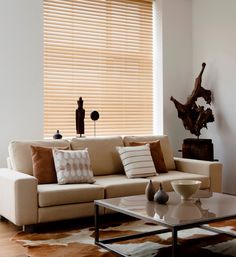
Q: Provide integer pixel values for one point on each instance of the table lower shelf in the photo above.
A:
(107, 243)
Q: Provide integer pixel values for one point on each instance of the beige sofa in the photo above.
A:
(24, 202)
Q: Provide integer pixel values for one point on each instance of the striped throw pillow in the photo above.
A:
(137, 161)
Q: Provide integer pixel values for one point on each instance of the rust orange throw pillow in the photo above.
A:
(157, 155)
(43, 164)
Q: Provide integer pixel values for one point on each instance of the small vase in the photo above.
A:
(150, 191)
(161, 196)
(57, 135)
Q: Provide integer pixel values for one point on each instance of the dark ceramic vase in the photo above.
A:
(150, 191)
(57, 135)
(161, 196)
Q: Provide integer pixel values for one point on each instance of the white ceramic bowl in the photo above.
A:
(185, 187)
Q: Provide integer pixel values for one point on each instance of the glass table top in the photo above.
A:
(203, 207)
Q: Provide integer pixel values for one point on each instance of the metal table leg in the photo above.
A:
(105, 243)
(96, 221)
(174, 242)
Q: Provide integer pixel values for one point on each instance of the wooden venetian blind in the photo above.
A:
(100, 50)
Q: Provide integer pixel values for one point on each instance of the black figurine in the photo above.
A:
(80, 115)
(57, 135)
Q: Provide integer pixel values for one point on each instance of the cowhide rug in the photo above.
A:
(80, 242)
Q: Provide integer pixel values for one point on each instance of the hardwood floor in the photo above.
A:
(9, 248)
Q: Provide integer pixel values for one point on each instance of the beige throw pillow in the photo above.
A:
(137, 161)
(73, 167)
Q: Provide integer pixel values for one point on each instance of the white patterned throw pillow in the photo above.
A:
(137, 161)
(73, 166)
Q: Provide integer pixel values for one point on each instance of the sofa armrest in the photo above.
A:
(9, 164)
(207, 168)
(18, 197)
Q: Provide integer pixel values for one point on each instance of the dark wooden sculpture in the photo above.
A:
(80, 115)
(195, 117)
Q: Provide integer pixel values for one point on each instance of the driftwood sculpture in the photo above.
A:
(195, 117)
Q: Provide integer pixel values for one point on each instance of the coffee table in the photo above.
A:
(174, 216)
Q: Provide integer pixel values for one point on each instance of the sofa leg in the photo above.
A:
(2, 218)
(28, 228)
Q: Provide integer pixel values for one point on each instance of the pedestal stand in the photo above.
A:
(200, 149)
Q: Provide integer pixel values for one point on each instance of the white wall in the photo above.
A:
(214, 42)
(21, 72)
(177, 65)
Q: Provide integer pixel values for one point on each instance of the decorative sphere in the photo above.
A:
(94, 115)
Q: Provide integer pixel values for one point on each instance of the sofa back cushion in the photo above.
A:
(165, 147)
(105, 159)
(21, 156)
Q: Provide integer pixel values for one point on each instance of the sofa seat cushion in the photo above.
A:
(120, 185)
(105, 159)
(54, 194)
(166, 178)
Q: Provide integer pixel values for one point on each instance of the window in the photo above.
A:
(99, 50)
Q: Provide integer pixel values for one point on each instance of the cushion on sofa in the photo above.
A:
(104, 157)
(54, 194)
(137, 161)
(119, 185)
(165, 147)
(157, 155)
(43, 165)
(20, 152)
(72, 166)
(166, 178)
